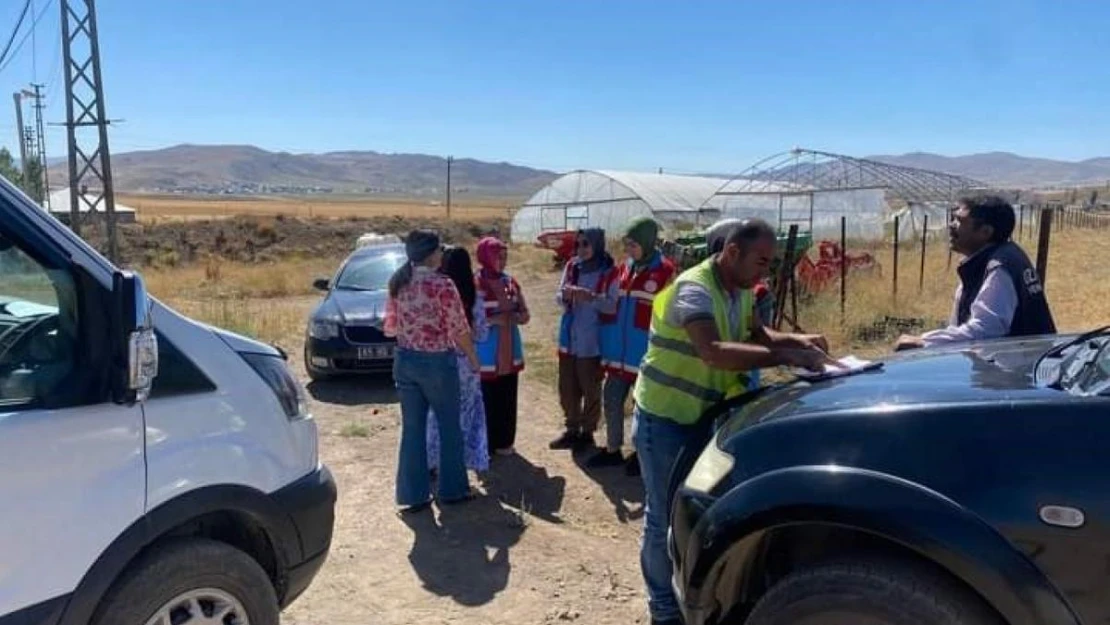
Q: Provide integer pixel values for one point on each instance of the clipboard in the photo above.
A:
(852, 366)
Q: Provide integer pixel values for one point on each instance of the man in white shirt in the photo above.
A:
(999, 292)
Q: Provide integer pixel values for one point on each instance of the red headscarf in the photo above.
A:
(489, 256)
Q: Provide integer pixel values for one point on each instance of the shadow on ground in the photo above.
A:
(355, 391)
(465, 553)
(624, 491)
(524, 486)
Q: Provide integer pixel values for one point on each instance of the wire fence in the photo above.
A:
(908, 263)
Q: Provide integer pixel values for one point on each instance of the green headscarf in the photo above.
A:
(644, 231)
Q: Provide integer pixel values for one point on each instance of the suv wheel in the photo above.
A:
(868, 592)
(191, 582)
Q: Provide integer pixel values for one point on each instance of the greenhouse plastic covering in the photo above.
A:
(612, 199)
(865, 209)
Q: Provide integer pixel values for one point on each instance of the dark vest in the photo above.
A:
(1032, 315)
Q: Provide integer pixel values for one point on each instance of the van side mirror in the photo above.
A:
(321, 284)
(137, 355)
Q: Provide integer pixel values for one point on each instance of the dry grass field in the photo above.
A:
(552, 541)
(156, 208)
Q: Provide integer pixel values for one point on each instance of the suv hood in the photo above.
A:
(987, 371)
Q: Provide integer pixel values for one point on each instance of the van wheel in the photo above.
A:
(868, 592)
(191, 582)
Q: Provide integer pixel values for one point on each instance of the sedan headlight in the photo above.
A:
(323, 329)
(712, 466)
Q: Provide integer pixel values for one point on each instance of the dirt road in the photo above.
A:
(550, 542)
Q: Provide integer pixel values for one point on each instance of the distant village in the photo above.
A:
(239, 189)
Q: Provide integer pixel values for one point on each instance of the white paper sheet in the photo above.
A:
(851, 365)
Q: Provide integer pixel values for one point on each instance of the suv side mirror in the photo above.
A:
(137, 355)
(321, 284)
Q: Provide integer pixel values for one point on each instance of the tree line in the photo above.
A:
(30, 181)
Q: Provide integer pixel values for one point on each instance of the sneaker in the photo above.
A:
(606, 458)
(567, 441)
(632, 466)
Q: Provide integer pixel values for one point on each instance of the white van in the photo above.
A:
(153, 470)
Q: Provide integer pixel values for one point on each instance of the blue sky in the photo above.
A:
(687, 86)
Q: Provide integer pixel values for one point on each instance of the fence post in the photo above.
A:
(924, 239)
(843, 265)
(895, 293)
(786, 272)
(1042, 245)
(1021, 220)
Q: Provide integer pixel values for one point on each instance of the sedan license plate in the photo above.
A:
(376, 352)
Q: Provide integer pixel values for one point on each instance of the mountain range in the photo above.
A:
(248, 169)
(241, 169)
(1010, 170)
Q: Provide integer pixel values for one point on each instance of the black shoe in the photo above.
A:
(606, 458)
(670, 621)
(585, 442)
(567, 441)
(632, 466)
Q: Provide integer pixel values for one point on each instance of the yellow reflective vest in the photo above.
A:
(674, 383)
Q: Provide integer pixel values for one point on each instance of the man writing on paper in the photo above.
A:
(999, 293)
(704, 335)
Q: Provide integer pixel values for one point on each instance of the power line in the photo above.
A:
(34, 48)
(23, 40)
(15, 31)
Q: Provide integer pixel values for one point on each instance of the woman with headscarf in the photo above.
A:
(472, 414)
(584, 294)
(501, 354)
(426, 314)
(624, 335)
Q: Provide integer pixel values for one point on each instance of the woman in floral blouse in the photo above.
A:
(426, 315)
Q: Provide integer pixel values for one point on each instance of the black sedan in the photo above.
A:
(344, 333)
(963, 485)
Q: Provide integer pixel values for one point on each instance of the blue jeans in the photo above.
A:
(658, 443)
(428, 380)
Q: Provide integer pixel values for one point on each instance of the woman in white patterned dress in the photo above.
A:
(457, 266)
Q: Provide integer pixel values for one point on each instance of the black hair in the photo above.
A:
(749, 231)
(993, 211)
(457, 266)
(419, 245)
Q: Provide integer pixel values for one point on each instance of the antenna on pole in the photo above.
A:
(84, 111)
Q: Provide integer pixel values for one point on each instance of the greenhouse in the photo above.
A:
(815, 189)
(612, 199)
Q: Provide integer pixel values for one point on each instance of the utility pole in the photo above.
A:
(84, 110)
(449, 159)
(22, 136)
(40, 133)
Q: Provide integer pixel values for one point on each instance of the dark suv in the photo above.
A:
(965, 485)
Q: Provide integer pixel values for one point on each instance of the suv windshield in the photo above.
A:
(1087, 371)
(369, 273)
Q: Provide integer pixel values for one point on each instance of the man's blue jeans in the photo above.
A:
(428, 379)
(658, 442)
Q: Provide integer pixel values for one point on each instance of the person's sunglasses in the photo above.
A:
(583, 243)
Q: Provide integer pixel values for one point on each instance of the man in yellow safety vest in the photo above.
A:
(704, 336)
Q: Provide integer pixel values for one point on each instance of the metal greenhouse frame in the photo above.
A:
(791, 178)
